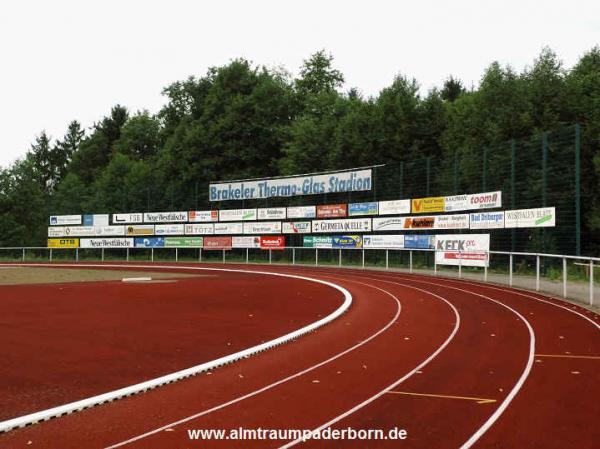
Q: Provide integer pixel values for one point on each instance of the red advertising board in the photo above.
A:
(272, 242)
(217, 243)
(332, 211)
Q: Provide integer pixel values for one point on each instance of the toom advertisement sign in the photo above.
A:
(296, 227)
(237, 214)
(139, 230)
(399, 207)
(96, 220)
(302, 212)
(165, 217)
(63, 243)
(183, 242)
(109, 231)
(272, 213)
(415, 241)
(530, 218)
(266, 227)
(355, 209)
(487, 220)
(332, 210)
(317, 241)
(127, 218)
(217, 243)
(384, 241)
(245, 242)
(347, 241)
(274, 242)
(349, 181)
(169, 229)
(487, 200)
(61, 220)
(149, 242)
(456, 221)
(428, 205)
(198, 216)
(462, 249)
(348, 225)
(199, 229)
(229, 228)
(107, 243)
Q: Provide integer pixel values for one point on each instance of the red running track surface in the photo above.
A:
(412, 352)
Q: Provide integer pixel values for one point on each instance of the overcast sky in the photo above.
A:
(62, 60)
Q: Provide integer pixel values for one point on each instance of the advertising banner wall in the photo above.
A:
(127, 218)
(332, 210)
(107, 243)
(396, 207)
(217, 243)
(265, 227)
(456, 221)
(462, 249)
(96, 220)
(79, 231)
(165, 217)
(56, 231)
(347, 225)
(199, 229)
(428, 205)
(63, 243)
(109, 231)
(183, 242)
(356, 209)
(61, 220)
(245, 242)
(302, 212)
(139, 230)
(229, 228)
(272, 242)
(487, 220)
(199, 216)
(416, 241)
(149, 242)
(296, 227)
(350, 181)
(272, 213)
(237, 214)
(317, 241)
(347, 241)
(530, 218)
(169, 229)
(384, 241)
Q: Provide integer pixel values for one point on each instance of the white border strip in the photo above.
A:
(54, 412)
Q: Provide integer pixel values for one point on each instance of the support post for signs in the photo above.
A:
(247, 255)
(76, 254)
(50, 254)
(200, 255)
(564, 277)
(578, 189)
(340, 258)
(591, 282)
(152, 254)
(293, 256)
(485, 265)
(537, 273)
(387, 259)
(363, 257)
(510, 269)
(316, 257)
(223, 256)
(513, 176)
(544, 182)
(459, 265)
(270, 256)
(435, 263)
(176, 254)
(410, 261)
(102, 251)
(24, 254)
(127, 256)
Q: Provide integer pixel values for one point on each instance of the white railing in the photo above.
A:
(562, 275)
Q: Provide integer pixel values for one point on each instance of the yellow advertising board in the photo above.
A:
(428, 205)
(63, 243)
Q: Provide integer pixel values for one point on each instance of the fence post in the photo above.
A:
(127, 255)
(316, 257)
(176, 254)
(50, 254)
(24, 254)
(293, 256)
(76, 254)
(410, 261)
(591, 282)
(223, 256)
(434, 263)
(387, 259)
(340, 258)
(513, 150)
(578, 189)
(459, 265)
(363, 257)
(152, 254)
(564, 277)
(200, 255)
(102, 254)
(270, 256)
(247, 255)
(537, 273)
(510, 269)
(485, 266)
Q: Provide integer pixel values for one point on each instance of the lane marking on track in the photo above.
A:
(399, 381)
(569, 356)
(444, 396)
(274, 384)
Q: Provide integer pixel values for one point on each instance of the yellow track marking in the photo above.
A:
(569, 356)
(445, 396)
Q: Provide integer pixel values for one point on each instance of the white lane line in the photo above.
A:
(44, 415)
(397, 382)
(277, 383)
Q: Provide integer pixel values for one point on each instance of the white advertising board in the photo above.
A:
(399, 207)
(96, 220)
(302, 212)
(127, 218)
(272, 213)
(384, 241)
(486, 200)
(165, 217)
(487, 220)
(296, 227)
(245, 242)
(266, 227)
(344, 225)
(540, 217)
(456, 221)
(56, 231)
(61, 220)
(199, 229)
(106, 243)
(79, 231)
(229, 228)
(468, 250)
(237, 214)
(203, 216)
(169, 229)
(112, 231)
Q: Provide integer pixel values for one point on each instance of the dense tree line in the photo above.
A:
(241, 120)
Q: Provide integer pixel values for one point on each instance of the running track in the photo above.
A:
(456, 364)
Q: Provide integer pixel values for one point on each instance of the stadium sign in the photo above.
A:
(296, 227)
(56, 231)
(272, 242)
(355, 209)
(383, 241)
(462, 249)
(183, 242)
(217, 243)
(317, 241)
(63, 243)
(107, 243)
(272, 213)
(61, 220)
(79, 231)
(237, 214)
(266, 227)
(415, 241)
(199, 229)
(332, 210)
(127, 218)
(229, 228)
(347, 241)
(165, 217)
(111, 231)
(530, 218)
(399, 207)
(349, 181)
(196, 216)
(149, 242)
(487, 220)
(96, 220)
(139, 230)
(302, 212)
(245, 242)
(348, 225)
(169, 229)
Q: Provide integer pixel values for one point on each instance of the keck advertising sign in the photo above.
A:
(462, 249)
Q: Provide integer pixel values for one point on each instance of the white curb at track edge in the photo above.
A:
(55, 412)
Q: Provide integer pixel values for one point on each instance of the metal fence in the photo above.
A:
(572, 277)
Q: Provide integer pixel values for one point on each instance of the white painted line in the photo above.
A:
(43, 415)
(139, 279)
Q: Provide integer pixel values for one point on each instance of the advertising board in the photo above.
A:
(169, 229)
(302, 212)
(296, 227)
(96, 220)
(540, 217)
(332, 210)
(165, 217)
(202, 216)
(399, 207)
(455, 221)
(486, 200)
(183, 242)
(109, 231)
(419, 241)
(199, 229)
(211, 243)
(317, 241)
(62, 220)
(127, 218)
(487, 220)
(347, 225)
(357, 209)
(272, 213)
(79, 231)
(237, 214)
(63, 243)
(107, 243)
(384, 241)
(149, 242)
(265, 227)
(272, 242)
(245, 242)
(462, 249)
(56, 231)
(134, 230)
(428, 205)
(229, 228)
(347, 241)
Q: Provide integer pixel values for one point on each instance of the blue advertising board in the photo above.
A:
(417, 241)
(347, 241)
(88, 220)
(149, 242)
(371, 208)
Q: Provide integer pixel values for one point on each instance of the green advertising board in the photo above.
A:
(317, 241)
(183, 242)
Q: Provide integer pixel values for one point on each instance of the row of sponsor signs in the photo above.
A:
(540, 217)
(396, 207)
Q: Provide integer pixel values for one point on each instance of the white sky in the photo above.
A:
(62, 60)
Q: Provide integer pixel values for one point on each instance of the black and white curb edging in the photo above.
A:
(66, 409)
